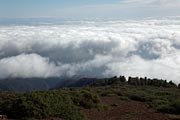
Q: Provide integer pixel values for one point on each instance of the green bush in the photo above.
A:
(85, 99)
(166, 106)
(138, 96)
(41, 105)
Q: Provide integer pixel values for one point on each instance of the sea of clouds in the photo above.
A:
(149, 47)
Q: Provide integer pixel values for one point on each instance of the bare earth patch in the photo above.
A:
(124, 110)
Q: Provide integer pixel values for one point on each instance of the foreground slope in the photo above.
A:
(113, 98)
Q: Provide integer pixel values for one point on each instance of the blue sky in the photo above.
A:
(43, 8)
(88, 8)
(50, 4)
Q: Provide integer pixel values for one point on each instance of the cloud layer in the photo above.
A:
(94, 49)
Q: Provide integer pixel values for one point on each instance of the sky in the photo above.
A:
(88, 8)
(44, 8)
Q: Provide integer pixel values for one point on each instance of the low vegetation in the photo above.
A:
(64, 104)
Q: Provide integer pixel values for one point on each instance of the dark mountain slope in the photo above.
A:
(28, 84)
(76, 83)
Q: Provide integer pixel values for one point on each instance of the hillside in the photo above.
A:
(121, 80)
(110, 98)
(34, 84)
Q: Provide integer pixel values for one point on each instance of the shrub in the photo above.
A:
(138, 96)
(165, 106)
(85, 99)
(41, 105)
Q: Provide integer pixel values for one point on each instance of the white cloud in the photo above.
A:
(167, 3)
(31, 65)
(157, 3)
(139, 48)
(165, 68)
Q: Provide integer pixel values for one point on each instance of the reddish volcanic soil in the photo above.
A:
(54, 119)
(124, 110)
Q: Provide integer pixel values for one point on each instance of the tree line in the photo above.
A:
(136, 81)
